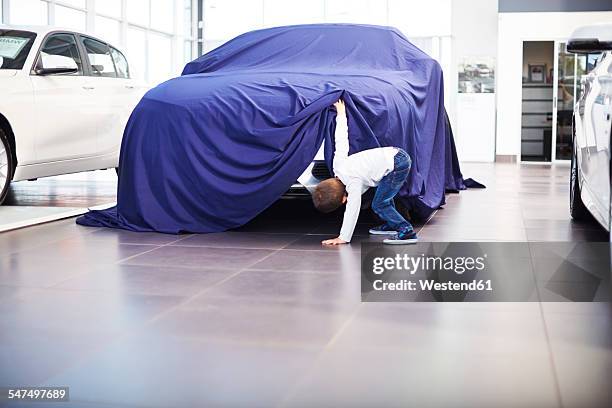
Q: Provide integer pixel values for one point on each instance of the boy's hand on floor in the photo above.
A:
(335, 241)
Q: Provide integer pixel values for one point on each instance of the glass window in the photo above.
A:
(408, 16)
(222, 22)
(160, 58)
(188, 51)
(28, 12)
(121, 65)
(162, 15)
(62, 45)
(74, 3)
(111, 8)
(14, 48)
(69, 18)
(185, 21)
(99, 57)
(108, 29)
(587, 62)
(593, 60)
(138, 12)
(283, 12)
(136, 52)
(356, 11)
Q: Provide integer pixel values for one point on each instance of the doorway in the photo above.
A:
(550, 89)
(537, 101)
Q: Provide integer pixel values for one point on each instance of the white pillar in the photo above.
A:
(177, 38)
(90, 14)
(5, 11)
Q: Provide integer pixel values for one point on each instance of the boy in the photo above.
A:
(384, 167)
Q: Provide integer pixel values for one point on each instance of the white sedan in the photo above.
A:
(66, 98)
(590, 172)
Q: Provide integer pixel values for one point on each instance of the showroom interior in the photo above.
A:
(263, 314)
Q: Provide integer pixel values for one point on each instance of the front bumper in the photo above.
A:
(316, 172)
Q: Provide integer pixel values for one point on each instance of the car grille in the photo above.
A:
(320, 171)
(297, 191)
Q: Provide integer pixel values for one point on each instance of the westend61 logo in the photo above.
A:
(412, 264)
(486, 272)
(442, 273)
(425, 271)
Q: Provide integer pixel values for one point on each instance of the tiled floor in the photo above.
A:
(265, 316)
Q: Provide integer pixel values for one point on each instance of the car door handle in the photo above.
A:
(88, 87)
(130, 86)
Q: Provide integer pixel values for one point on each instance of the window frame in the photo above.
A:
(84, 66)
(127, 63)
(82, 38)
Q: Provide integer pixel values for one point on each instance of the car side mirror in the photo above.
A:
(56, 64)
(590, 39)
(588, 45)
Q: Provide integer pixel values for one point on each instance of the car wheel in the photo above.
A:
(577, 209)
(6, 166)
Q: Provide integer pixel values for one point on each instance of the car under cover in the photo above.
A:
(211, 149)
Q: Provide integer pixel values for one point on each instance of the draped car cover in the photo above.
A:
(211, 149)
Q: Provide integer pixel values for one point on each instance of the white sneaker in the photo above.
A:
(407, 238)
(383, 229)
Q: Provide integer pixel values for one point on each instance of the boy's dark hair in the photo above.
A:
(328, 195)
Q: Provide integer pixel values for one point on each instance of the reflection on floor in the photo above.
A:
(54, 198)
(13, 216)
(72, 190)
(265, 316)
(529, 202)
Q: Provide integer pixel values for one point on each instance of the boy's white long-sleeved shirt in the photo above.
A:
(358, 172)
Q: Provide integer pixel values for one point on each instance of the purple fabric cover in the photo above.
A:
(211, 149)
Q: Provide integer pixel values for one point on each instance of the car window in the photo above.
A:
(61, 45)
(100, 58)
(592, 61)
(14, 48)
(123, 71)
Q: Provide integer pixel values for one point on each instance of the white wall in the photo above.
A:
(474, 35)
(514, 28)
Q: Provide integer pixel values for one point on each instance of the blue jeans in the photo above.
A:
(387, 189)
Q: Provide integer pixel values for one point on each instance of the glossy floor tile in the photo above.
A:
(13, 217)
(264, 316)
(83, 190)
